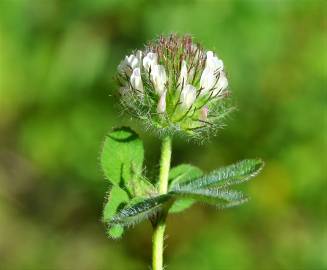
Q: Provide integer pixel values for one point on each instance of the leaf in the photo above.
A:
(226, 176)
(116, 200)
(180, 174)
(180, 205)
(217, 197)
(183, 173)
(116, 231)
(122, 156)
(140, 211)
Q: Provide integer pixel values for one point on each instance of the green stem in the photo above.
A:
(159, 229)
(164, 165)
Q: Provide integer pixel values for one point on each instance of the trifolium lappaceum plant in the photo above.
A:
(175, 88)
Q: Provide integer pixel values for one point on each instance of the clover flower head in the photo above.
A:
(175, 87)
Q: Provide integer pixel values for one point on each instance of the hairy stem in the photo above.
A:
(164, 165)
(159, 227)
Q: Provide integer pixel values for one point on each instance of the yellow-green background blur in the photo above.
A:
(57, 60)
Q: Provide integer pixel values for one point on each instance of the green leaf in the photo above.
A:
(218, 197)
(116, 200)
(180, 174)
(180, 205)
(116, 231)
(183, 173)
(225, 176)
(122, 156)
(140, 211)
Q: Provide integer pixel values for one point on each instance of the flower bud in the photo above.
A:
(213, 62)
(129, 63)
(150, 60)
(136, 80)
(158, 78)
(188, 96)
(208, 80)
(222, 84)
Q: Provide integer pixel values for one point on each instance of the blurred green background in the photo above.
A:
(57, 60)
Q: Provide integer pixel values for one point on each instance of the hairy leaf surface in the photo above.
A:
(225, 176)
(140, 211)
(180, 174)
(218, 197)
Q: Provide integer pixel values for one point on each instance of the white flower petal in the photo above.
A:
(207, 80)
(136, 79)
(221, 86)
(188, 95)
(158, 78)
(210, 54)
(129, 63)
(150, 60)
(213, 62)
